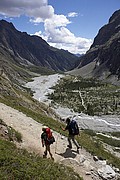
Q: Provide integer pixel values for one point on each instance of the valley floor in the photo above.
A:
(42, 86)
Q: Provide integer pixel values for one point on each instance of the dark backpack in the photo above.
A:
(74, 127)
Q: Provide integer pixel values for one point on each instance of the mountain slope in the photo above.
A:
(33, 50)
(104, 52)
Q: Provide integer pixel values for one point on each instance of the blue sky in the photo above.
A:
(66, 24)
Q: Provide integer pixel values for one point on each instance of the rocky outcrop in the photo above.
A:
(106, 172)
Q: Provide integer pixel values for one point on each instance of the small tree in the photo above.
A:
(90, 109)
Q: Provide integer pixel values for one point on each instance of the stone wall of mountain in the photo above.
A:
(105, 50)
(33, 50)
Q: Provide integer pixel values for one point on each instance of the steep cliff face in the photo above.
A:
(109, 30)
(105, 50)
(34, 50)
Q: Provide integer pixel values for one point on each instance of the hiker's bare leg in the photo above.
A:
(45, 152)
(48, 149)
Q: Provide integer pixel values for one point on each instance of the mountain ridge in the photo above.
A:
(34, 50)
(104, 52)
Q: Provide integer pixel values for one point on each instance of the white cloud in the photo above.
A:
(57, 35)
(39, 33)
(72, 14)
(56, 32)
(34, 9)
(72, 43)
(62, 38)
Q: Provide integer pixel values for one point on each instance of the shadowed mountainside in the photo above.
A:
(103, 58)
(33, 50)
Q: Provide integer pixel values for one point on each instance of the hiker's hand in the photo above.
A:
(62, 128)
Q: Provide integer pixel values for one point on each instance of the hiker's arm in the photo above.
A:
(63, 129)
(79, 133)
(42, 142)
(42, 139)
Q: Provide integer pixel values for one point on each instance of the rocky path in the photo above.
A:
(81, 161)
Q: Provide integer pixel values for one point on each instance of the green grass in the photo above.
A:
(40, 70)
(109, 140)
(20, 165)
(116, 134)
(12, 134)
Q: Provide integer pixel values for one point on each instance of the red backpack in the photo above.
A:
(50, 137)
(49, 133)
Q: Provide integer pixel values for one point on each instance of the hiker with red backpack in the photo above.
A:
(73, 130)
(47, 139)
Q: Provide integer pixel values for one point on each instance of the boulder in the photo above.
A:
(106, 172)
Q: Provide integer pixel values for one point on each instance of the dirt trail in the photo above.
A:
(81, 161)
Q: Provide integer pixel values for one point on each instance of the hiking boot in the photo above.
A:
(52, 158)
(45, 153)
(69, 146)
(44, 156)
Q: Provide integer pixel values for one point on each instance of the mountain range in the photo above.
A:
(21, 53)
(102, 60)
(25, 50)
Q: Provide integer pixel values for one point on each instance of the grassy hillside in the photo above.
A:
(19, 164)
(87, 140)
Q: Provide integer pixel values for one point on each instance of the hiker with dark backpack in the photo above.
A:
(73, 130)
(47, 139)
